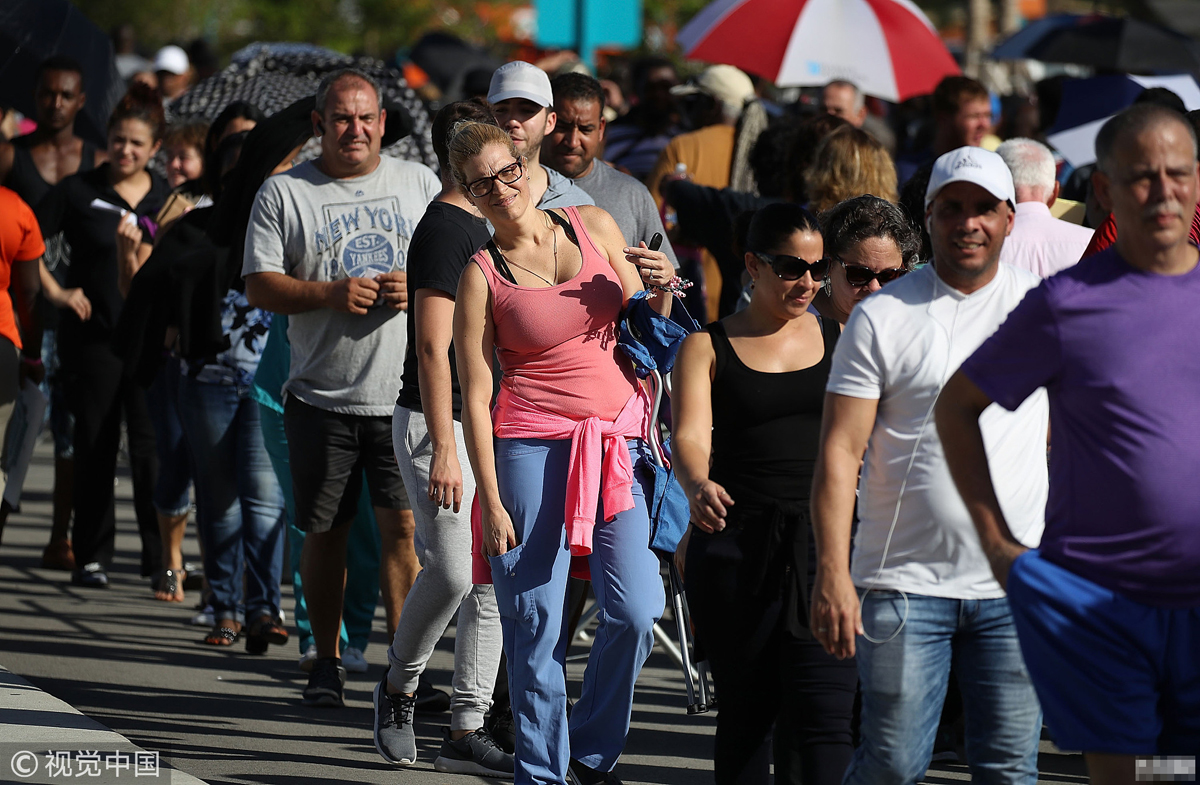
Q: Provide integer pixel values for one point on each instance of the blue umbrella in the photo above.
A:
(1088, 103)
(1106, 42)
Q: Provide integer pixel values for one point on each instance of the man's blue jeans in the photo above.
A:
(239, 507)
(904, 682)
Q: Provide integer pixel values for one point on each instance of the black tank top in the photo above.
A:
(27, 181)
(766, 426)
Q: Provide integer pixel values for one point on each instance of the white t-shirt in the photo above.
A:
(899, 347)
(317, 228)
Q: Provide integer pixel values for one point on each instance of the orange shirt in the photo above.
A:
(20, 241)
(708, 154)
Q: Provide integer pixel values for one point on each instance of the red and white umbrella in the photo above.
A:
(886, 47)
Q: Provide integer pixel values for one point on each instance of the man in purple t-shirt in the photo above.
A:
(1108, 608)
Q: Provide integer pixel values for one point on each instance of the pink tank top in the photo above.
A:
(558, 344)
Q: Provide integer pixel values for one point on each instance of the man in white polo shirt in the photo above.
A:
(918, 591)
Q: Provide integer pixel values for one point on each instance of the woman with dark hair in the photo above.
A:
(236, 118)
(88, 208)
(747, 403)
(869, 242)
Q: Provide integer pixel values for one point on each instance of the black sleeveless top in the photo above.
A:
(27, 181)
(766, 426)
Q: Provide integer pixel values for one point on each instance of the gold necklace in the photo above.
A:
(554, 238)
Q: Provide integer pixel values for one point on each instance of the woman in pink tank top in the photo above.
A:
(558, 460)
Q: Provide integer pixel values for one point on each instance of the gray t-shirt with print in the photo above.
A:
(317, 228)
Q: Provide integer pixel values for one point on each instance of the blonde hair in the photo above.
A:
(848, 163)
(467, 140)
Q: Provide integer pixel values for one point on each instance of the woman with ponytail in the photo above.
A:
(103, 214)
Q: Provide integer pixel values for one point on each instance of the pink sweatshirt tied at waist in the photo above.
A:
(600, 470)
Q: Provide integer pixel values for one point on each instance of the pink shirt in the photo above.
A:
(1041, 243)
(565, 378)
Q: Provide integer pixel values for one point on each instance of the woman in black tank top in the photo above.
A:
(748, 397)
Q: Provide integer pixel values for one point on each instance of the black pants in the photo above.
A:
(765, 677)
(99, 394)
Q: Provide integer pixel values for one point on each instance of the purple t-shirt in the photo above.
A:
(1118, 351)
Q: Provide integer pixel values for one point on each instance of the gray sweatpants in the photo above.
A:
(443, 543)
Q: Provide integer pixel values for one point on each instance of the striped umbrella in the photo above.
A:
(886, 47)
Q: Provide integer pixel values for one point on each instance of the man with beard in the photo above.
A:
(917, 592)
(524, 107)
(571, 150)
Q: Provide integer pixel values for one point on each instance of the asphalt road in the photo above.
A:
(138, 667)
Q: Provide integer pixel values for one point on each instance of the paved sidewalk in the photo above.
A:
(136, 666)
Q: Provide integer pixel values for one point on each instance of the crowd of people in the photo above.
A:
(414, 383)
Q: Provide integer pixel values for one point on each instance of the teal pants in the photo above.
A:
(362, 549)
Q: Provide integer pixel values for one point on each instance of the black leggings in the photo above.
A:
(100, 393)
(765, 677)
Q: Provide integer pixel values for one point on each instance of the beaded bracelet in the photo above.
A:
(675, 286)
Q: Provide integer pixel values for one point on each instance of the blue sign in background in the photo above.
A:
(585, 25)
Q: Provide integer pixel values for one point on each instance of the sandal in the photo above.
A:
(222, 635)
(264, 630)
(169, 586)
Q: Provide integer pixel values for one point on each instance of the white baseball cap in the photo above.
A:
(519, 79)
(171, 59)
(972, 165)
(725, 83)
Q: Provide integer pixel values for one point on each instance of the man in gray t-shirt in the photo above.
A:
(327, 245)
(570, 148)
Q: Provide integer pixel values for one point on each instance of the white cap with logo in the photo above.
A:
(519, 79)
(171, 59)
(972, 165)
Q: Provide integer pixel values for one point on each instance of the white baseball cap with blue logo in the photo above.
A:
(972, 165)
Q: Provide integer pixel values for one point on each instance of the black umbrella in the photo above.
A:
(31, 31)
(274, 76)
(447, 59)
(1111, 43)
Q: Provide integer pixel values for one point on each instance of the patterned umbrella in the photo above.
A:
(274, 75)
(886, 47)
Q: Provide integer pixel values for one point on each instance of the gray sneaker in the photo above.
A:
(476, 753)
(394, 736)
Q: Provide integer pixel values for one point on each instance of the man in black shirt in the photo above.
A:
(427, 433)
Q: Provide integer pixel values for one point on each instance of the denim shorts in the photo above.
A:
(1113, 675)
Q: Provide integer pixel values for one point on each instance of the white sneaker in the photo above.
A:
(205, 618)
(353, 660)
(308, 658)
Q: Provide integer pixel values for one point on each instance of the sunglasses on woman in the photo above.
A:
(793, 268)
(857, 275)
(484, 185)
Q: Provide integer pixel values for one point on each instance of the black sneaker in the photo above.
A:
(431, 700)
(582, 774)
(394, 736)
(476, 753)
(325, 683)
(90, 575)
(502, 729)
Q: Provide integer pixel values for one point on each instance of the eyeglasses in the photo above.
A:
(858, 275)
(793, 268)
(484, 185)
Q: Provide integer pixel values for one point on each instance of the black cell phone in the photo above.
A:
(655, 241)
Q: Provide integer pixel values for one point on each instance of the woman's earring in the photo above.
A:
(827, 286)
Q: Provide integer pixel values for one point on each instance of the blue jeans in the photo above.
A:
(904, 680)
(362, 550)
(239, 507)
(174, 464)
(530, 586)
